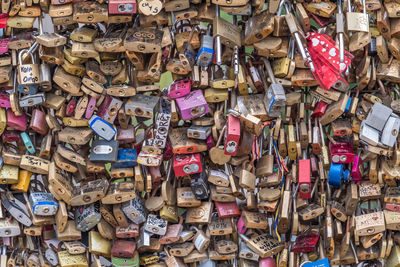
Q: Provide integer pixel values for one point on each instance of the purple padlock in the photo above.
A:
(180, 88)
(90, 107)
(5, 100)
(16, 122)
(192, 105)
(210, 142)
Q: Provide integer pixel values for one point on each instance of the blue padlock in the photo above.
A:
(337, 173)
(28, 143)
(318, 263)
(127, 158)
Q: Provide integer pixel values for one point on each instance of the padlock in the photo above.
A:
(28, 74)
(135, 210)
(87, 216)
(247, 177)
(43, 203)
(206, 50)
(275, 96)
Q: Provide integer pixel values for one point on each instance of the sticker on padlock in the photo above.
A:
(102, 128)
(187, 164)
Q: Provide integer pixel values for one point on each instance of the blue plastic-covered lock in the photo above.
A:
(102, 128)
(318, 263)
(337, 173)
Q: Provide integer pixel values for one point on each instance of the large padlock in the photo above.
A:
(28, 74)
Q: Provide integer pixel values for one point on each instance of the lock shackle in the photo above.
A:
(194, 228)
(25, 51)
(281, 3)
(339, 6)
(269, 69)
(33, 48)
(40, 22)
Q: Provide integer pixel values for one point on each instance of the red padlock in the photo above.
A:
(3, 21)
(71, 107)
(122, 7)
(319, 109)
(305, 178)
(186, 164)
(305, 243)
(227, 209)
(341, 152)
(232, 135)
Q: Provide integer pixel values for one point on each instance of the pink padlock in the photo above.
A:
(180, 88)
(267, 262)
(4, 45)
(16, 122)
(192, 105)
(357, 169)
(240, 226)
(90, 108)
(10, 136)
(5, 100)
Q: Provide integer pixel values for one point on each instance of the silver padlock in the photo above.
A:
(32, 100)
(207, 263)
(135, 210)
(144, 238)
(43, 204)
(378, 115)
(155, 225)
(390, 131)
(369, 134)
(45, 77)
(274, 98)
(144, 106)
(199, 132)
(9, 228)
(51, 256)
(88, 216)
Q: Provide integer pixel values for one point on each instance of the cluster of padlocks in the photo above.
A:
(216, 133)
